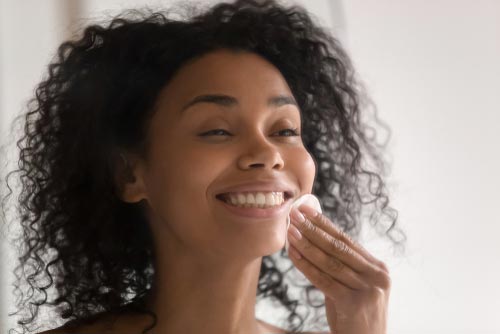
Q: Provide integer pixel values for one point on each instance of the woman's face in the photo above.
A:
(188, 165)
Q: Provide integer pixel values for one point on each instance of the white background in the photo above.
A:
(433, 69)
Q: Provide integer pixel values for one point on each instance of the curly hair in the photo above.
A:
(79, 240)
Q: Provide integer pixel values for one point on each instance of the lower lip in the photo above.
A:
(271, 212)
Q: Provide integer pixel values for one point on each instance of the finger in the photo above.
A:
(326, 283)
(374, 269)
(327, 225)
(325, 262)
(315, 229)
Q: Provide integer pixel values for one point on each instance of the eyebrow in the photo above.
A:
(229, 101)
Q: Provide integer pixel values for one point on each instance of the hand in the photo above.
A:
(356, 285)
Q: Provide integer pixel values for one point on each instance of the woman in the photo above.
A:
(140, 145)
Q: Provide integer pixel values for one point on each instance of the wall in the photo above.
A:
(433, 69)
(29, 33)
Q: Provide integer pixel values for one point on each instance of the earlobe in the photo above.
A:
(130, 179)
(133, 192)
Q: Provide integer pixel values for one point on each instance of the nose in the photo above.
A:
(259, 152)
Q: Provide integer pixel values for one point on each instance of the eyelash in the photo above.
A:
(294, 132)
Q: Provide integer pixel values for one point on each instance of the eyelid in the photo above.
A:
(293, 130)
(207, 133)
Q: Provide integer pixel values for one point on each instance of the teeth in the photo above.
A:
(270, 199)
(251, 199)
(260, 199)
(241, 198)
(255, 200)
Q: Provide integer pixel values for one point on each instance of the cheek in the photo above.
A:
(178, 184)
(304, 167)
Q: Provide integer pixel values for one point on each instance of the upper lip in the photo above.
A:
(260, 186)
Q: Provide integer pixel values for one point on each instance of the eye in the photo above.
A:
(213, 131)
(293, 132)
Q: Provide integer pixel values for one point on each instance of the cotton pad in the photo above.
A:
(307, 199)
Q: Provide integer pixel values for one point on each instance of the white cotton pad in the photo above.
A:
(307, 199)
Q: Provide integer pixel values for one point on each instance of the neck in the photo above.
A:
(195, 293)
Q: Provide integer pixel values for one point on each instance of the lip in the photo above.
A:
(260, 186)
(258, 213)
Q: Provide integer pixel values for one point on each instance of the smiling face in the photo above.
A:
(190, 163)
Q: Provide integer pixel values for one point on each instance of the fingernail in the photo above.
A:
(297, 216)
(309, 211)
(294, 233)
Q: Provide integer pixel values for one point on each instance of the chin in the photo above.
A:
(269, 246)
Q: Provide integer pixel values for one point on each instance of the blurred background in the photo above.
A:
(433, 70)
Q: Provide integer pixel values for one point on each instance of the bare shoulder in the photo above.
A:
(73, 330)
(77, 330)
(101, 328)
(316, 332)
(83, 330)
(61, 330)
(103, 324)
(52, 331)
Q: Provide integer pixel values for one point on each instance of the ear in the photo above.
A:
(129, 178)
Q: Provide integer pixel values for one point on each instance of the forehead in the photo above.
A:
(245, 75)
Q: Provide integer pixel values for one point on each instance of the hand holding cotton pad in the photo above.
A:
(307, 199)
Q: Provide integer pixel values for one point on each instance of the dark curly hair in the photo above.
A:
(95, 251)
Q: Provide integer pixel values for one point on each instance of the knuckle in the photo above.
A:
(377, 293)
(324, 219)
(341, 247)
(347, 237)
(324, 235)
(334, 246)
(385, 281)
(383, 266)
(311, 227)
(325, 279)
(348, 250)
(306, 245)
(334, 265)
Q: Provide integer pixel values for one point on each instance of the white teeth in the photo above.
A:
(242, 199)
(270, 199)
(258, 200)
(250, 199)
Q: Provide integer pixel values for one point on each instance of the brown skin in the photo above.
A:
(356, 285)
(209, 259)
